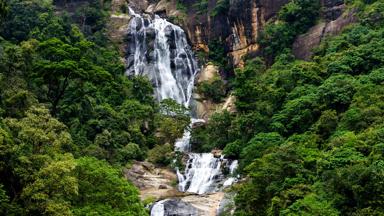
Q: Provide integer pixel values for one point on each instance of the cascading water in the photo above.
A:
(159, 50)
(201, 173)
(158, 208)
(183, 144)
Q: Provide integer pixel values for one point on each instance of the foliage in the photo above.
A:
(221, 8)
(180, 6)
(214, 89)
(113, 194)
(161, 154)
(217, 54)
(294, 18)
(201, 7)
(3, 9)
(308, 134)
(172, 122)
(68, 113)
(214, 135)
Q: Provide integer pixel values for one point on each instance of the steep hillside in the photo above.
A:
(192, 107)
(309, 134)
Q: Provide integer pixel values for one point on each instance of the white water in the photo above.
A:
(159, 50)
(200, 173)
(232, 169)
(158, 208)
(203, 172)
(183, 144)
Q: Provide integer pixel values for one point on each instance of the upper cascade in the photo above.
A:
(159, 50)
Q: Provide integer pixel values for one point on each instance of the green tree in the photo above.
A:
(52, 185)
(102, 190)
(3, 10)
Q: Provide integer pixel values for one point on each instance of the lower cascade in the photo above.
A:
(204, 173)
(201, 172)
(159, 50)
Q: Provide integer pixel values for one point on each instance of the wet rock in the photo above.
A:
(198, 124)
(217, 153)
(177, 207)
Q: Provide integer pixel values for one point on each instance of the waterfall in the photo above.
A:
(200, 174)
(203, 173)
(183, 144)
(159, 50)
(158, 208)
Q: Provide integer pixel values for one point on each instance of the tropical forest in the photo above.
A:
(191, 107)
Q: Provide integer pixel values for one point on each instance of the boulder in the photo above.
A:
(208, 73)
(177, 207)
(162, 187)
(217, 153)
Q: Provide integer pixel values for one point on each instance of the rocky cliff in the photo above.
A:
(333, 21)
(236, 24)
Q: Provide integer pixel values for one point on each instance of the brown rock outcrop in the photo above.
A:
(204, 108)
(153, 182)
(334, 22)
(237, 27)
(304, 44)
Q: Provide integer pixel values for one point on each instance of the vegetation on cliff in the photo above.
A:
(309, 135)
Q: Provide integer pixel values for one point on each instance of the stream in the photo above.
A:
(159, 50)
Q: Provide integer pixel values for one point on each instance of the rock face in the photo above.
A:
(175, 207)
(118, 24)
(205, 108)
(237, 26)
(334, 22)
(153, 182)
(207, 205)
(190, 205)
